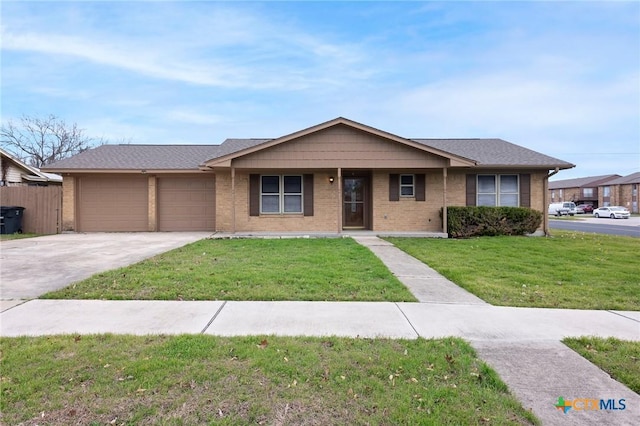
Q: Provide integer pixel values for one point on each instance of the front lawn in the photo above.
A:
(16, 236)
(620, 359)
(192, 380)
(250, 269)
(570, 270)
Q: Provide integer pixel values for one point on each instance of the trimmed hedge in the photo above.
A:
(465, 222)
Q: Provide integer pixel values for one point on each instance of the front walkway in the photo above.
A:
(425, 283)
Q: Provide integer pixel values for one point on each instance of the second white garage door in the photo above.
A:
(186, 204)
(112, 203)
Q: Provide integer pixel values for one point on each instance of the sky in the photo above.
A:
(561, 78)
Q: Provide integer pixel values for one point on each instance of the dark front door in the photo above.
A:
(355, 208)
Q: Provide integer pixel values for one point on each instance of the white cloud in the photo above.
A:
(122, 56)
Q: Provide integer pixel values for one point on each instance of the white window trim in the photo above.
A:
(496, 194)
(281, 195)
(412, 186)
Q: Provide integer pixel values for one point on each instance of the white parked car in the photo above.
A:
(614, 212)
(560, 209)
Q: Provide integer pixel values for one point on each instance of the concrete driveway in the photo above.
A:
(33, 266)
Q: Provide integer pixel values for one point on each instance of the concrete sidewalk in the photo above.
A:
(481, 323)
(521, 344)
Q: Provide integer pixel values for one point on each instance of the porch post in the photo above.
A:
(444, 200)
(152, 190)
(545, 202)
(339, 199)
(233, 199)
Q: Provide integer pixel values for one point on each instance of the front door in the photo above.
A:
(355, 201)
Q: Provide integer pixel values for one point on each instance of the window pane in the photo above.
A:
(270, 203)
(293, 184)
(353, 189)
(509, 200)
(406, 179)
(270, 184)
(293, 204)
(508, 184)
(486, 200)
(406, 190)
(487, 184)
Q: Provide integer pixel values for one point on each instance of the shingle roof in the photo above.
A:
(624, 180)
(230, 146)
(139, 157)
(485, 152)
(588, 181)
(493, 152)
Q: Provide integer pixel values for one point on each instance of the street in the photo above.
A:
(629, 227)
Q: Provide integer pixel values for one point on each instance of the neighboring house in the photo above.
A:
(335, 176)
(14, 172)
(584, 190)
(622, 191)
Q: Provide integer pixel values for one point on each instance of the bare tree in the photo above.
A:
(42, 141)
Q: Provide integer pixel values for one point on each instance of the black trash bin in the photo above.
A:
(11, 219)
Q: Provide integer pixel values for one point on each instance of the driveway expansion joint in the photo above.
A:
(213, 318)
(408, 320)
(623, 316)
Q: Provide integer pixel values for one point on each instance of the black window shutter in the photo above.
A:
(308, 194)
(420, 188)
(254, 195)
(525, 190)
(471, 190)
(394, 187)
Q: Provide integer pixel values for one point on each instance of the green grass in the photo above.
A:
(620, 359)
(16, 236)
(570, 270)
(567, 217)
(190, 380)
(250, 269)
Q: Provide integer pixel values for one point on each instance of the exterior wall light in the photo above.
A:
(331, 180)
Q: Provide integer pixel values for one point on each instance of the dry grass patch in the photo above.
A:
(192, 380)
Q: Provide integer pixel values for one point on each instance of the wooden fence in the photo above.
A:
(43, 206)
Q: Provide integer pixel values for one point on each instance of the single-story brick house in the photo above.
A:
(335, 176)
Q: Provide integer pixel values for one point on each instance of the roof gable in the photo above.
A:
(32, 174)
(625, 180)
(253, 145)
(584, 182)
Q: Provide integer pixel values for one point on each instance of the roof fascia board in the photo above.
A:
(526, 166)
(32, 178)
(131, 171)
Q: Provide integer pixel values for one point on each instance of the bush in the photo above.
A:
(465, 222)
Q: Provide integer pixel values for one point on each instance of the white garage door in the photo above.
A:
(186, 203)
(113, 203)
